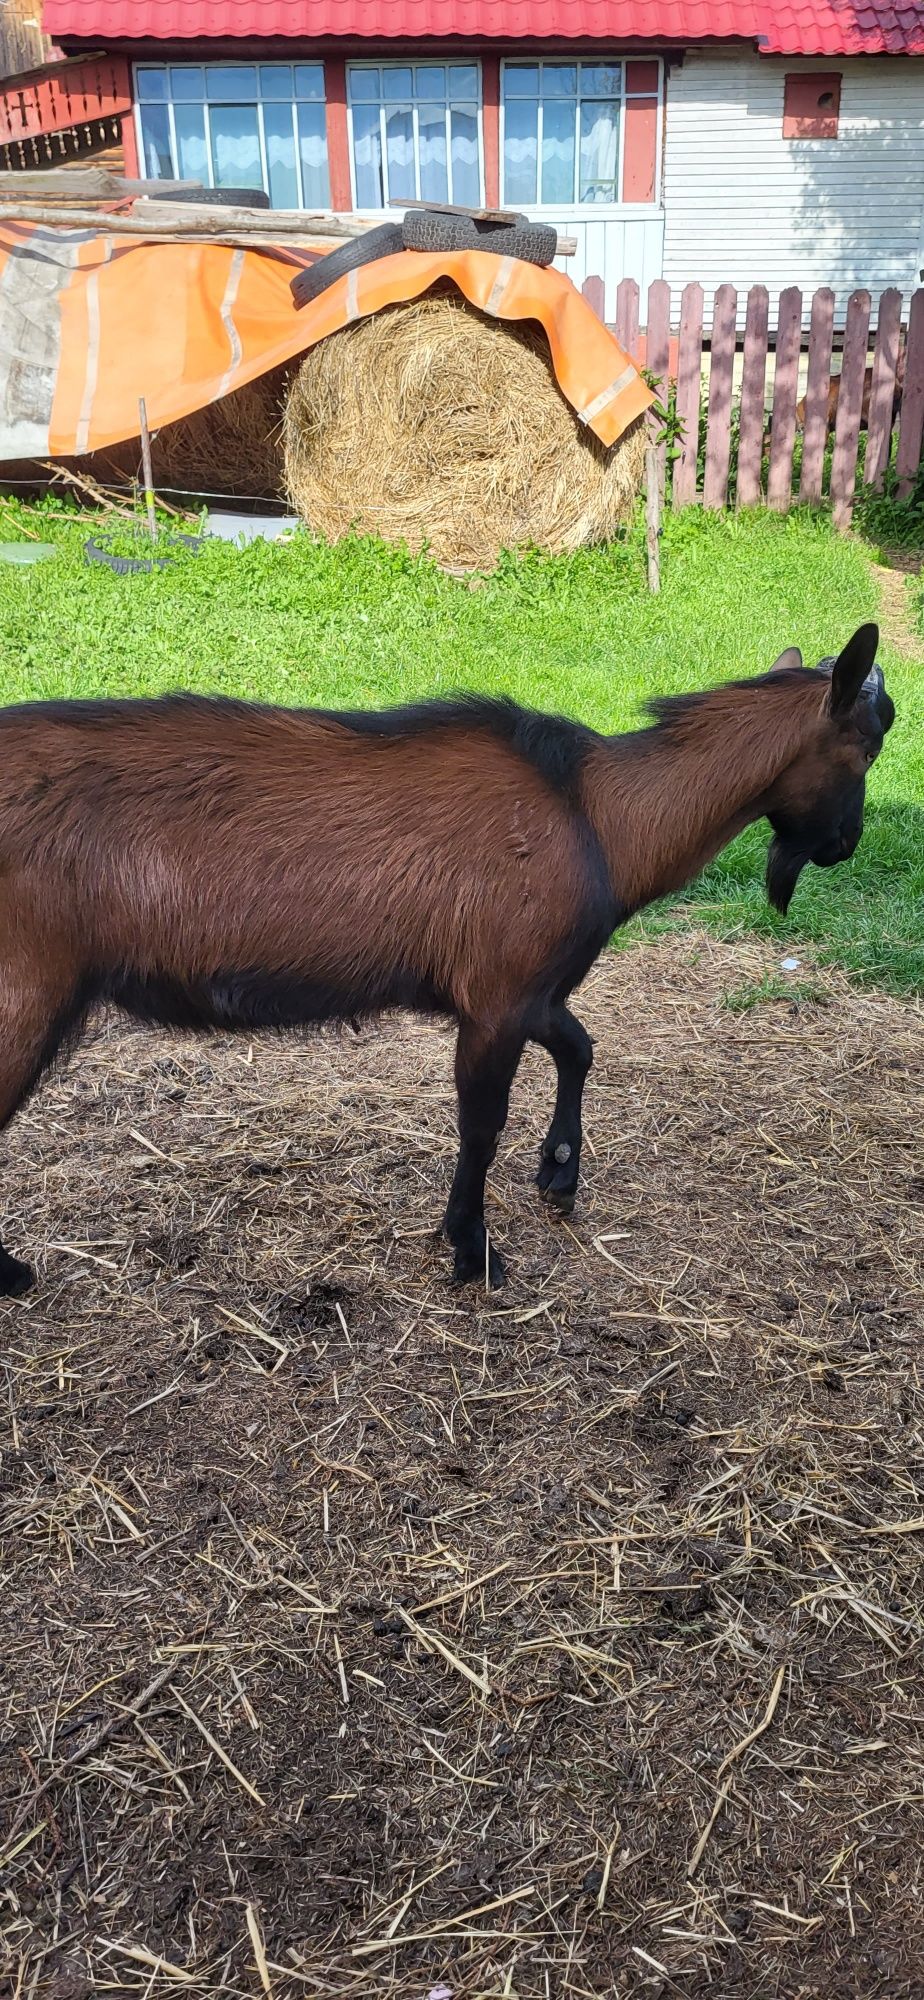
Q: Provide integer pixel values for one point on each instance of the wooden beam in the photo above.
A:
(97, 182)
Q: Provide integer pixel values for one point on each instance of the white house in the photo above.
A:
(774, 141)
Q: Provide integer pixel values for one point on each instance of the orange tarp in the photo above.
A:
(93, 322)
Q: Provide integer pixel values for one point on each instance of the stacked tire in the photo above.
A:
(433, 231)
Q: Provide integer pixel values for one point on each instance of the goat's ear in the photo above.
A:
(851, 668)
(791, 658)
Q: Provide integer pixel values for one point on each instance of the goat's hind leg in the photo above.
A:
(36, 1016)
(571, 1049)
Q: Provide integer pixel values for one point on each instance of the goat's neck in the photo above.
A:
(665, 801)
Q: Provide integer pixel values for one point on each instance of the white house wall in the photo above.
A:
(745, 206)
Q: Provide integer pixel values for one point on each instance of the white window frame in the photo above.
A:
(586, 209)
(291, 62)
(446, 63)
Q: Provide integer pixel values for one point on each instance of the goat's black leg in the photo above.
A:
(34, 1020)
(571, 1049)
(485, 1068)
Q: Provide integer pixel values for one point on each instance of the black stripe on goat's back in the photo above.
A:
(553, 745)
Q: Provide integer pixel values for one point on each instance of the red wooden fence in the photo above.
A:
(808, 411)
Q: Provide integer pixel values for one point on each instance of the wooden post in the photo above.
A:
(721, 376)
(882, 388)
(657, 357)
(594, 292)
(627, 316)
(653, 517)
(912, 418)
(753, 391)
(849, 408)
(815, 428)
(785, 393)
(689, 394)
(148, 473)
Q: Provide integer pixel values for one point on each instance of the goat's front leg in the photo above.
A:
(486, 1063)
(571, 1049)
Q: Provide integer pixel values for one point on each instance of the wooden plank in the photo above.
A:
(68, 182)
(689, 394)
(849, 408)
(815, 428)
(753, 391)
(657, 358)
(594, 291)
(453, 208)
(911, 426)
(627, 315)
(721, 375)
(882, 391)
(785, 392)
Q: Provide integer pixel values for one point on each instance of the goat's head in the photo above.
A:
(816, 806)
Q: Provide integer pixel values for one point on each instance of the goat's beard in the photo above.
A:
(785, 863)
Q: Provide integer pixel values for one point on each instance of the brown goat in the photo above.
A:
(206, 864)
(832, 399)
(834, 392)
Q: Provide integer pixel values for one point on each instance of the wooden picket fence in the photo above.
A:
(679, 355)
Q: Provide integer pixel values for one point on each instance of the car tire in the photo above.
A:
(97, 552)
(428, 229)
(367, 249)
(217, 197)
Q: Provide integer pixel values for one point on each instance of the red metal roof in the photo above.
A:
(388, 20)
(842, 28)
(779, 27)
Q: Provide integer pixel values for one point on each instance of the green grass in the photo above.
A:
(363, 624)
(760, 992)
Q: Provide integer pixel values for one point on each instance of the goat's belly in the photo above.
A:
(246, 1000)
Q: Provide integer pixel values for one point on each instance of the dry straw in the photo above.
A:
(619, 1569)
(432, 425)
(232, 447)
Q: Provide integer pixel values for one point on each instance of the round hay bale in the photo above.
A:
(432, 425)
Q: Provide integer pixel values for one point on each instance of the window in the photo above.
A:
(249, 125)
(563, 130)
(415, 132)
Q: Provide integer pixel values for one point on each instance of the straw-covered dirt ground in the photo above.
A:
(360, 1639)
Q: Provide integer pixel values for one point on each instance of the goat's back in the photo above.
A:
(183, 840)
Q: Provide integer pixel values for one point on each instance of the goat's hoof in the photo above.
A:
(15, 1276)
(561, 1199)
(471, 1266)
(558, 1183)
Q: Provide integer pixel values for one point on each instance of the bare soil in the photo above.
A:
(363, 1638)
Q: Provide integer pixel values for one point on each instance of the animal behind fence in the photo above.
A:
(206, 864)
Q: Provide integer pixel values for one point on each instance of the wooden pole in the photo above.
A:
(165, 218)
(653, 517)
(148, 472)
(174, 219)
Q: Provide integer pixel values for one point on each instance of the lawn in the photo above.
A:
(364, 624)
